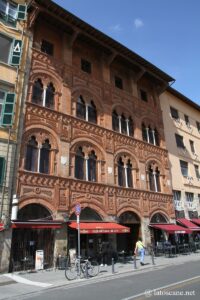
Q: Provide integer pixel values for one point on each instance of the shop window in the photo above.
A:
(47, 47)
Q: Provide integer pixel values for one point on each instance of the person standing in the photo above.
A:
(140, 249)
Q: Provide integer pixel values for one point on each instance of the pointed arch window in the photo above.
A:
(92, 113)
(44, 158)
(123, 125)
(37, 95)
(92, 166)
(43, 96)
(115, 121)
(121, 172)
(86, 111)
(79, 164)
(154, 179)
(38, 158)
(130, 127)
(31, 155)
(80, 108)
(129, 174)
(144, 132)
(150, 135)
(50, 92)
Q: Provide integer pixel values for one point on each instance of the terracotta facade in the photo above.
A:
(59, 190)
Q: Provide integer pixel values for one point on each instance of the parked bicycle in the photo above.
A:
(88, 268)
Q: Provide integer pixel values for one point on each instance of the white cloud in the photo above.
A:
(138, 23)
(116, 28)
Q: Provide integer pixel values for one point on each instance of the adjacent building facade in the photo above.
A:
(93, 134)
(13, 45)
(181, 119)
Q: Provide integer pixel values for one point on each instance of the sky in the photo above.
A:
(164, 32)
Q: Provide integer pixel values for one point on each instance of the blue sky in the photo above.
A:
(166, 33)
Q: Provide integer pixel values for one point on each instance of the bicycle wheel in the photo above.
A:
(93, 268)
(71, 272)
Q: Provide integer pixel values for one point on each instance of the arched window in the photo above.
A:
(121, 172)
(157, 140)
(144, 132)
(80, 108)
(92, 165)
(50, 92)
(151, 136)
(123, 125)
(115, 121)
(151, 179)
(129, 174)
(31, 155)
(158, 180)
(37, 94)
(154, 179)
(45, 157)
(130, 127)
(79, 164)
(92, 113)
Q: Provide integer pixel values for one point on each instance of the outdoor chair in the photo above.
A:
(16, 266)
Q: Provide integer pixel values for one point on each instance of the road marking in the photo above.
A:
(161, 288)
(20, 279)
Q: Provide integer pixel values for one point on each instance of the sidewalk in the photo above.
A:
(19, 283)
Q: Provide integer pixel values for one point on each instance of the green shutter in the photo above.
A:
(2, 170)
(21, 14)
(8, 109)
(16, 52)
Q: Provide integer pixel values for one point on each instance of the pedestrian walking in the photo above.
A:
(140, 249)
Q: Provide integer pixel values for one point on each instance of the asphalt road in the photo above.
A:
(174, 282)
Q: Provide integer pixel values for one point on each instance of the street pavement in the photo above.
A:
(20, 284)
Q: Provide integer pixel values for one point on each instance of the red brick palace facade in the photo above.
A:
(93, 133)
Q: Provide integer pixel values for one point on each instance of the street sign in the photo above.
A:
(78, 209)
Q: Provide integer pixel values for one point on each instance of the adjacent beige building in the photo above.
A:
(13, 49)
(181, 119)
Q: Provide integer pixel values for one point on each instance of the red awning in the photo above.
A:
(196, 221)
(171, 228)
(100, 227)
(36, 224)
(188, 224)
(1, 227)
